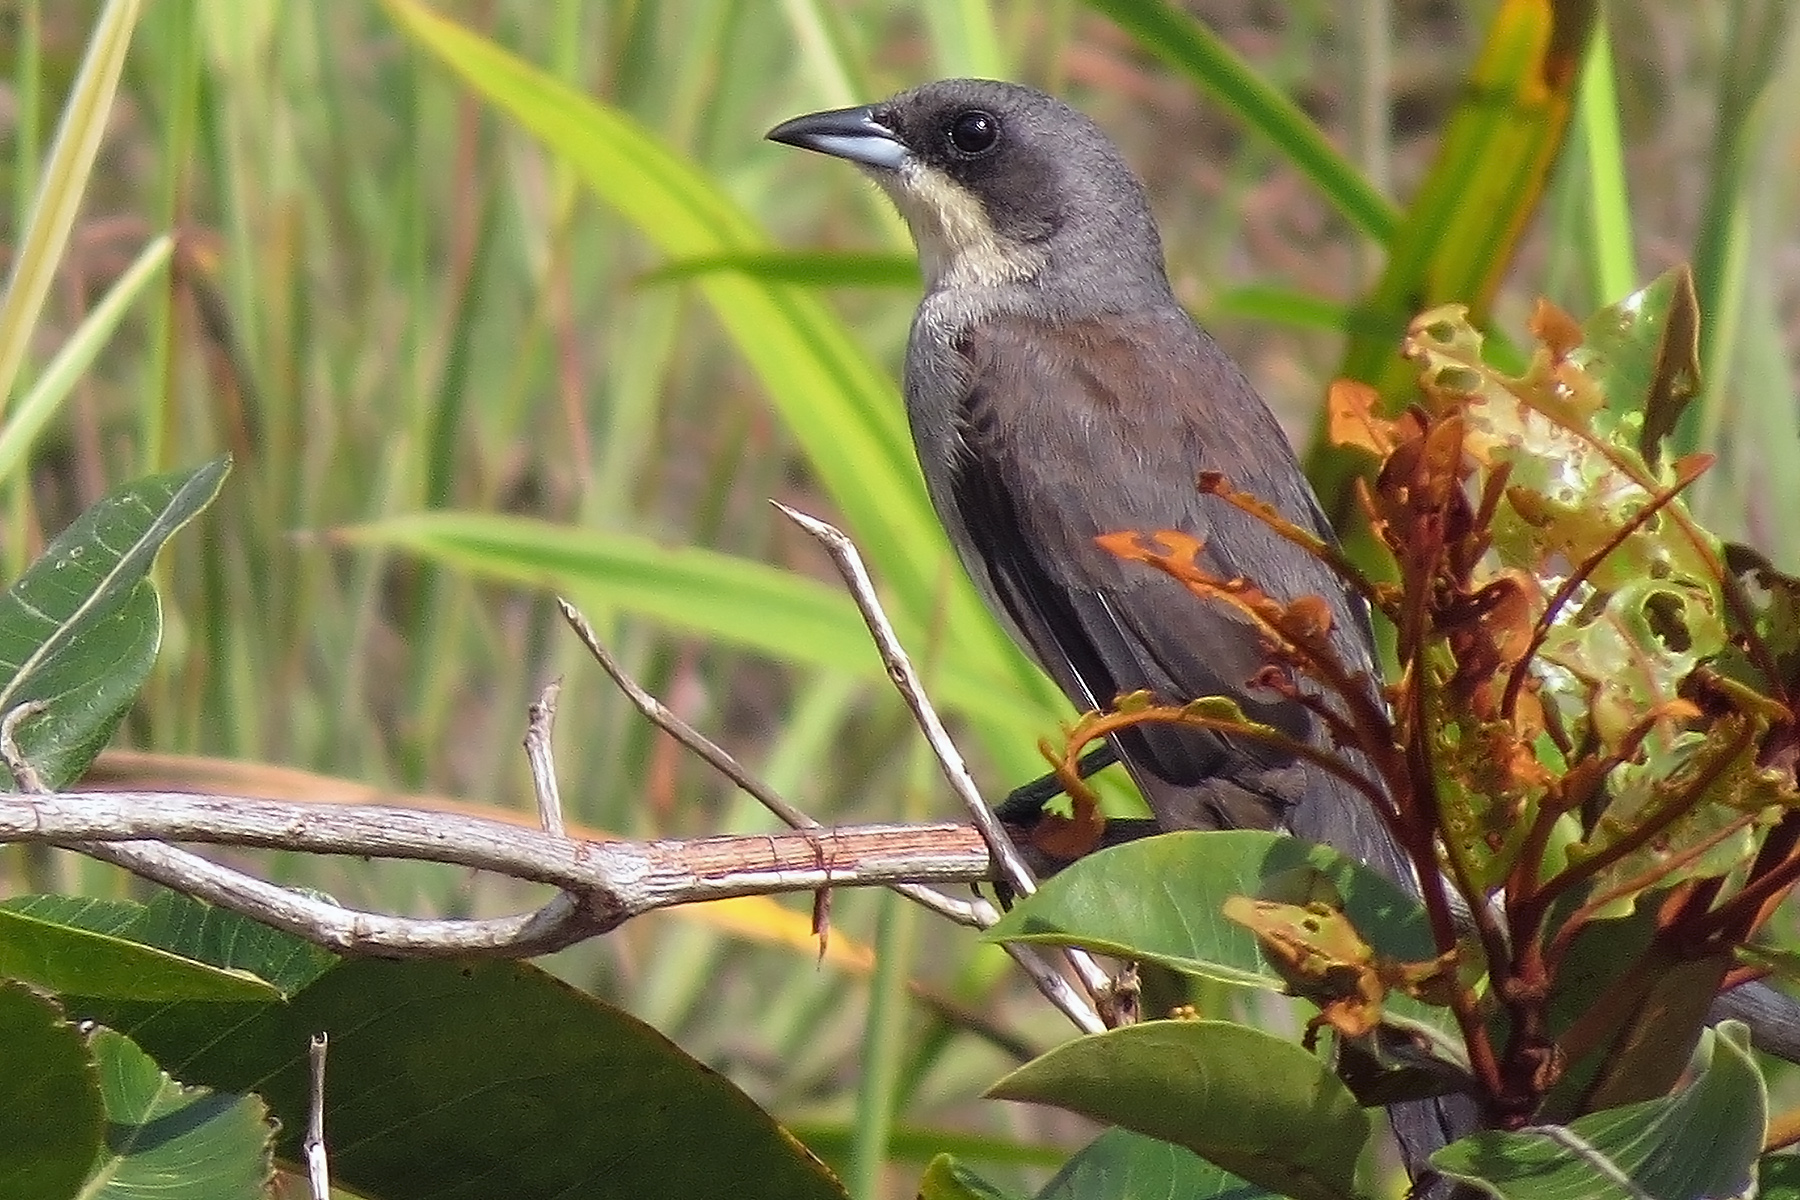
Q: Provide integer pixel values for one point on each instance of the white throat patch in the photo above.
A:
(958, 245)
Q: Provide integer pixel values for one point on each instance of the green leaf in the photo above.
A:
(51, 1114)
(1644, 352)
(79, 962)
(1161, 899)
(64, 178)
(188, 927)
(80, 629)
(1779, 1177)
(228, 946)
(458, 1081)
(175, 1142)
(947, 1179)
(1703, 1142)
(1121, 1165)
(1253, 1104)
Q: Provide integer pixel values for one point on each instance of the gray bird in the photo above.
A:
(1057, 391)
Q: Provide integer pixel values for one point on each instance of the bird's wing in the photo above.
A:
(1045, 465)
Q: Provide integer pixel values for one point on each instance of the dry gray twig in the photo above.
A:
(978, 914)
(540, 723)
(848, 561)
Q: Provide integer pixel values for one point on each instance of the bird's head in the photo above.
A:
(1000, 184)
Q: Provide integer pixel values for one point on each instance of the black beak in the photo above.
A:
(851, 133)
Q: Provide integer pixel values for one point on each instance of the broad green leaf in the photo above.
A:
(1185, 43)
(1702, 1142)
(459, 1081)
(228, 945)
(947, 1179)
(845, 413)
(80, 628)
(171, 1141)
(1121, 1165)
(834, 1141)
(64, 178)
(51, 1115)
(781, 613)
(75, 961)
(1161, 899)
(1248, 1102)
(188, 927)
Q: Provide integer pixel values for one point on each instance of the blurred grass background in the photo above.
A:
(387, 300)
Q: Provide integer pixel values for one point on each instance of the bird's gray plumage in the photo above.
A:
(1058, 391)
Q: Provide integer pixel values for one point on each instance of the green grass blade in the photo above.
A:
(38, 405)
(723, 598)
(802, 268)
(64, 179)
(1191, 48)
(842, 410)
(1459, 233)
(1610, 250)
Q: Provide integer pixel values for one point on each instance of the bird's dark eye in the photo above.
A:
(974, 132)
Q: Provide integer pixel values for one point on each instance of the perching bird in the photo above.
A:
(1058, 391)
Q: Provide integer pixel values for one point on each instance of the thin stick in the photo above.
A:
(318, 1166)
(850, 567)
(540, 723)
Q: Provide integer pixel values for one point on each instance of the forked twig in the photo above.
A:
(855, 574)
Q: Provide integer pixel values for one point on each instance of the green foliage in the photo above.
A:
(1248, 1101)
(51, 1108)
(1703, 1142)
(376, 291)
(80, 629)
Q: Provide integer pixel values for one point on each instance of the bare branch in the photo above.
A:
(906, 680)
(978, 914)
(608, 882)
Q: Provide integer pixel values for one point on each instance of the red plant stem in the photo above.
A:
(1216, 484)
(1565, 937)
(1417, 829)
(1741, 915)
(1665, 816)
